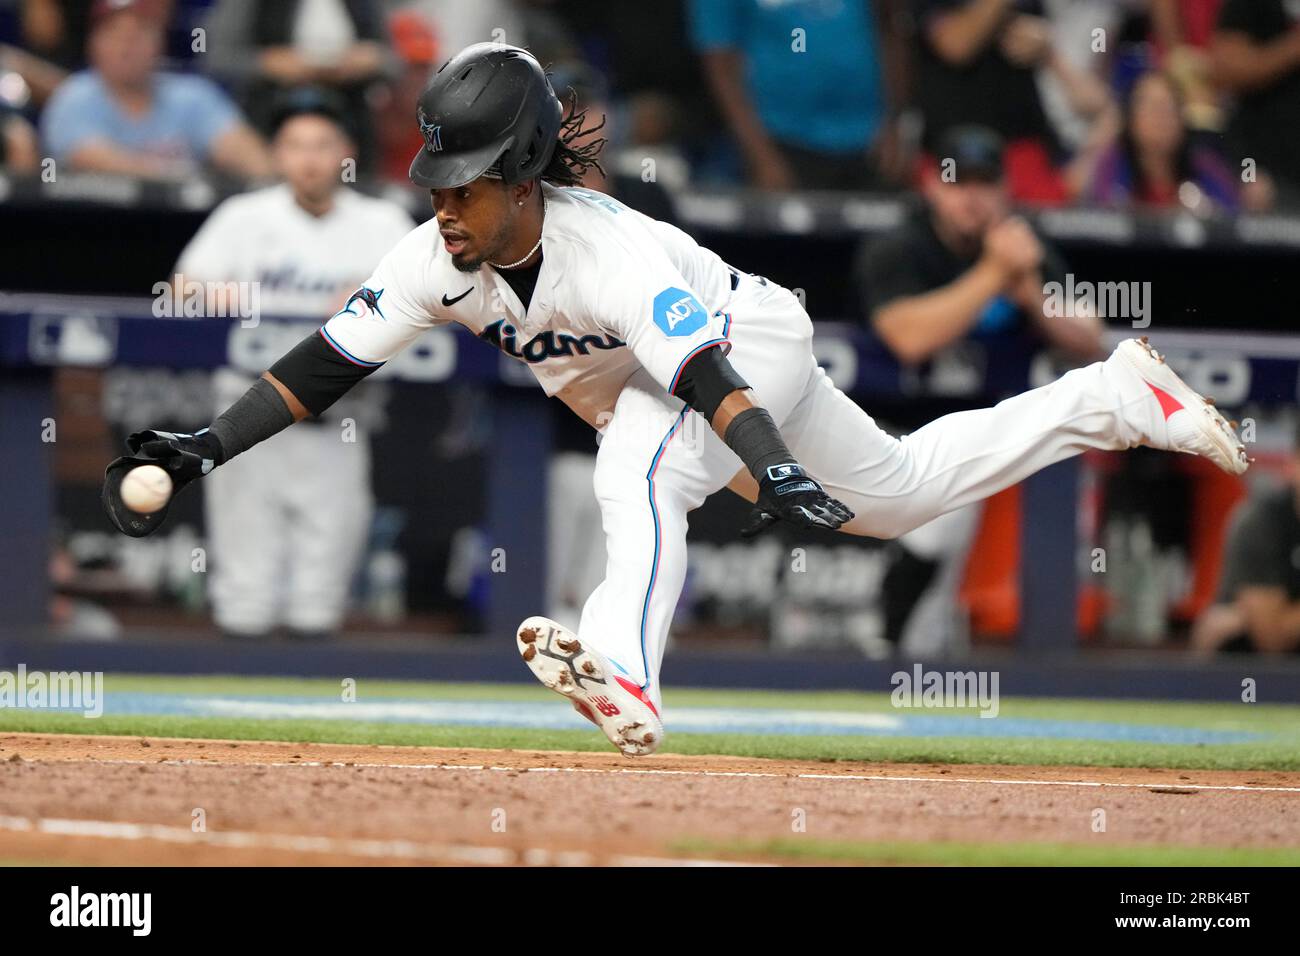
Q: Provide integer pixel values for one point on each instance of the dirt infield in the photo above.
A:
(129, 800)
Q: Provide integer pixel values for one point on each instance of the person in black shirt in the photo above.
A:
(964, 266)
(961, 268)
(1256, 56)
(975, 64)
(1259, 595)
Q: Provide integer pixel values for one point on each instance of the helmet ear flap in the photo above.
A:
(533, 154)
(535, 159)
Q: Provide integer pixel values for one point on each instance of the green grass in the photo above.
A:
(1280, 750)
(1228, 715)
(811, 851)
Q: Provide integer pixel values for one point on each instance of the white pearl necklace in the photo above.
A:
(516, 264)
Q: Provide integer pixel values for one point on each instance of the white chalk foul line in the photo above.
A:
(648, 771)
(341, 846)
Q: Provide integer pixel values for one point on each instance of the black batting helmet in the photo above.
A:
(489, 109)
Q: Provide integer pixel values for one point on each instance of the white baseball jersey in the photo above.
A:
(617, 291)
(621, 304)
(304, 265)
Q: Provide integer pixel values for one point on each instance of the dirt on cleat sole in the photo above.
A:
(560, 662)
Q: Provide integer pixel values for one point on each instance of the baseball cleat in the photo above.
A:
(616, 705)
(1191, 422)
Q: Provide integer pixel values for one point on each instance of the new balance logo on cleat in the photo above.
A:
(621, 708)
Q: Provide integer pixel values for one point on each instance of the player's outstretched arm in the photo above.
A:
(711, 386)
(306, 381)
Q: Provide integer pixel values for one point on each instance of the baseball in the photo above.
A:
(146, 489)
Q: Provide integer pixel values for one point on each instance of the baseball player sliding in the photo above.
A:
(636, 327)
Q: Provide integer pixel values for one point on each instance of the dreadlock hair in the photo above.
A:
(570, 163)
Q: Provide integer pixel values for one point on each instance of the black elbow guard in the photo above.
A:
(316, 374)
(706, 380)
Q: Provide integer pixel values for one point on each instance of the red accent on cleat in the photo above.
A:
(585, 711)
(606, 706)
(1168, 404)
(636, 692)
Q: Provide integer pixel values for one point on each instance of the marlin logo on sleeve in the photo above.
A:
(367, 297)
(678, 313)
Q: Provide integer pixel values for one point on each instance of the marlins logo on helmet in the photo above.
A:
(432, 134)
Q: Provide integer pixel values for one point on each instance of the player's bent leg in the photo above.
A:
(656, 462)
(622, 711)
(895, 485)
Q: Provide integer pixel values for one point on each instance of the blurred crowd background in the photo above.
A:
(1114, 102)
(302, 111)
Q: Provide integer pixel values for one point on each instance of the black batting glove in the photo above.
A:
(184, 457)
(787, 493)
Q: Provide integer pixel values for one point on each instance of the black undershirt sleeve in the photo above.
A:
(317, 375)
(706, 380)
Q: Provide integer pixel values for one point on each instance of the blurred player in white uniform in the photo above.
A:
(287, 530)
(700, 375)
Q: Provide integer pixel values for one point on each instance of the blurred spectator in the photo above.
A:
(262, 47)
(1259, 604)
(659, 113)
(802, 87)
(976, 65)
(1178, 24)
(399, 138)
(1074, 78)
(31, 78)
(57, 30)
(1256, 57)
(1154, 161)
(962, 268)
(1182, 31)
(582, 88)
(19, 152)
(288, 530)
(124, 115)
(457, 24)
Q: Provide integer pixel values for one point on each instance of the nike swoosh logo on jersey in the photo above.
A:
(447, 302)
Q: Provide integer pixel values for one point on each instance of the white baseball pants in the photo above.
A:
(658, 461)
(287, 526)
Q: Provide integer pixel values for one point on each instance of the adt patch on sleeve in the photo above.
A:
(678, 313)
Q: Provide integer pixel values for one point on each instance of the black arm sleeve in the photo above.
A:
(317, 375)
(706, 380)
(756, 440)
(260, 413)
